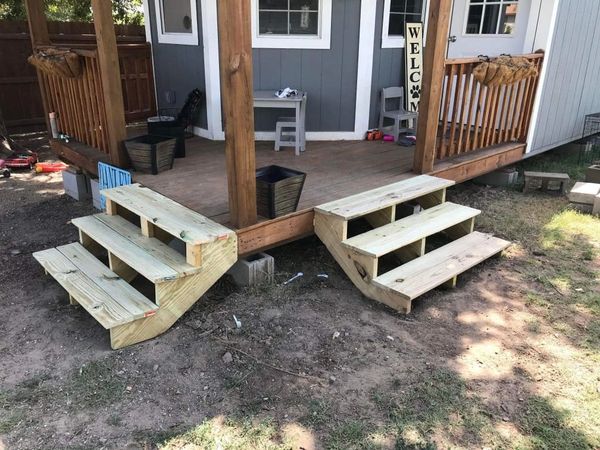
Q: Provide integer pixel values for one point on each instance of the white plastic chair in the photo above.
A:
(398, 115)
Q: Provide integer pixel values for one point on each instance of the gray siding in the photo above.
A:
(572, 86)
(388, 68)
(178, 68)
(328, 76)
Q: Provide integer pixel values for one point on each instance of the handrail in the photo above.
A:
(474, 116)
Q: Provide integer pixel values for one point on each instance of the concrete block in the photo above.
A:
(76, 184)
(592, 174)
(256, 269)
(95, 187)
(584, 193)
(502, 177)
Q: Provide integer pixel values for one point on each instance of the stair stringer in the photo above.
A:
(332, 231)
(176, 297)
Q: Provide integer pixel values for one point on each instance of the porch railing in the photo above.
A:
(79, 102)
(474, 116)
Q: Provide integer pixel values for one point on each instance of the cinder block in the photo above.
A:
(502, 177)
(592, 174)
(95, 193)
(76, 184)
(256, 269)
(584, 193)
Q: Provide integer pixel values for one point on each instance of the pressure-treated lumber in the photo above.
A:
(179, 221)
(398, 234)
(156, 261)
(393, 194)
(109, 299)
(438, 26)
(439, 266)
(112, 91)
(235, 51)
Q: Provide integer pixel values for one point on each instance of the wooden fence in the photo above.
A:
(474, 116)
(20, 97)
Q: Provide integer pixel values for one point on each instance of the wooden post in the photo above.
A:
(235, 50)
(108, 59)
(440, 12)
(38, 33)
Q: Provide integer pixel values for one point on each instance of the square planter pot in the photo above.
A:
(151, 153)
(168, 126)
(278, 190)
(592, 174)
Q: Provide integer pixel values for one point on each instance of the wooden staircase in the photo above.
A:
(404, 238)
(134, 234)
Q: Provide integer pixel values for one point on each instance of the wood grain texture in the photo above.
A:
(109, 299)
(235, 51)
(437, 267)
(108, 63)
(438, 26)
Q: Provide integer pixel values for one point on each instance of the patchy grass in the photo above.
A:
(95, 384)
(229, 434)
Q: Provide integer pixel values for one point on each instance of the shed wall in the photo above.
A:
(572, 85)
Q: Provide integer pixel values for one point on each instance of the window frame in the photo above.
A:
(165, 37)
(388, 41)
(295, 41)
(469, 3)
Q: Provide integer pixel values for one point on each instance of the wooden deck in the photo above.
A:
(334, 170)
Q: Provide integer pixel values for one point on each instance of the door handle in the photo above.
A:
(452, 38)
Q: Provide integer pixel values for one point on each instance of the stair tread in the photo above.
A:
(103, 294)
(358, 205)
(176, 219)
(435, 268)
(148, 256)
(398, 234)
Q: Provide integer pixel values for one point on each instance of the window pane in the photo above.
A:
(304, 23)
(302, 5)
(508, 19)
(413, 18)
(490, 19)
(273, 22)
(273, 4)
(474, 19)
(177, 16)
(396, 25)
(398, 5)
(414, 6)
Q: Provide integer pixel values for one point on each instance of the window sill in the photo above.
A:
(292, 42)
(178, 38)
(393, 42)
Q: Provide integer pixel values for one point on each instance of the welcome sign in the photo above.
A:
(414, 64)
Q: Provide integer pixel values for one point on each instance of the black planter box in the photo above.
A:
(170, 128)
(151, 153)
(278, 190)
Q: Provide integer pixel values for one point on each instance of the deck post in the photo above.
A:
(108, 59)
(38, 33)
(235, 51)
(438, 27)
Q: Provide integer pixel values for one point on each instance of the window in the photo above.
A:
(291, 23)
(396, 14)
(491, 17)
(177, 22)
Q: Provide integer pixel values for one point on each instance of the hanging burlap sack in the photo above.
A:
(62, 63)
(504, 70)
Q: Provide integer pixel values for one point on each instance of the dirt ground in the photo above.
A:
(508, 359)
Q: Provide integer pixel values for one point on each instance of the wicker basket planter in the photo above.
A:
(169, 126)
(278, 190)
(151, 153)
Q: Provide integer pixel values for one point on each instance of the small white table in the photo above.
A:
(268, 99)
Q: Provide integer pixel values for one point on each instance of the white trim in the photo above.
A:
(147, 24)
(388, 41)
(177, 38)
(542, 80)
(212, 80)
(314, 136)
(321, 41)
(366, 44)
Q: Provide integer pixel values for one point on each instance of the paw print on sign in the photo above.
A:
(415, 92)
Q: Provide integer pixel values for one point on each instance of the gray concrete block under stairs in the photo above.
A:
(253, 270)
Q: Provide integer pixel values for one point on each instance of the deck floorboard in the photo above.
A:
(334, 170)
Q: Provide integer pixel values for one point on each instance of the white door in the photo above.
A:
(488, 27)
